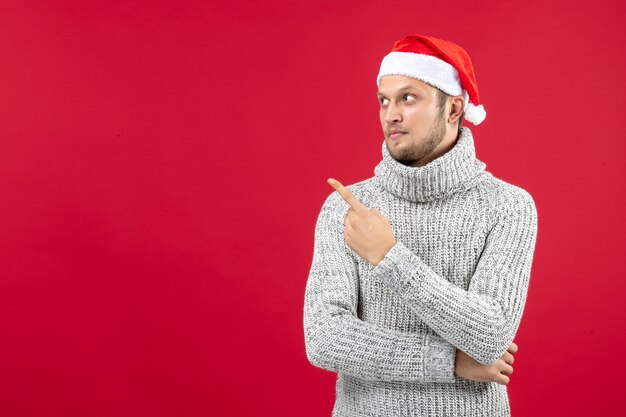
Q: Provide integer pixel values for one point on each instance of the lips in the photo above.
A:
(395, 134)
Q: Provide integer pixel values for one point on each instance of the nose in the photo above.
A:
(392, 113)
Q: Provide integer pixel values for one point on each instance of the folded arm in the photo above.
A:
(337, 340)
(482, 320)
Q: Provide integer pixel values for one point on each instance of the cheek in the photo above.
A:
(431, 111)
(420, 119)
(413, 119)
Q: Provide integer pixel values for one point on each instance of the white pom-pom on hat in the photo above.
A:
(475, 114)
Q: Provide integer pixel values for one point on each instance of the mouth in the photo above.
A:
(395, 134)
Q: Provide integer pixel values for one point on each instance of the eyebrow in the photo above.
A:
(402, 89)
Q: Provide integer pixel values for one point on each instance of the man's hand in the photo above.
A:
(366, 231)
(499, 371)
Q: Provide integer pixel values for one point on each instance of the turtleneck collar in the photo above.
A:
(456, 170)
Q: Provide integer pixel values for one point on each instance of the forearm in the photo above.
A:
(339, 341)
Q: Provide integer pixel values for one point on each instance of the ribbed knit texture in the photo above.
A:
(457, 278)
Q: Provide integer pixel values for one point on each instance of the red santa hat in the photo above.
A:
(440, 63)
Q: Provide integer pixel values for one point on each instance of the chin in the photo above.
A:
(394, 144)
(401, 157)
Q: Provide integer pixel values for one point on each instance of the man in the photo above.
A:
(420, 273)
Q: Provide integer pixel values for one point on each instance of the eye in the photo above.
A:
(383, 101)
(408, 98)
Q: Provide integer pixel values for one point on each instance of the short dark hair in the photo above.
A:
(443, 97)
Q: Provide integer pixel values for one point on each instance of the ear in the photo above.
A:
(456, 109)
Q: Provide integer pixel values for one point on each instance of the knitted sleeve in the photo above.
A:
(338, 340)
(483, 320)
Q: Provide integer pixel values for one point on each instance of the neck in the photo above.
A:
(455, 169)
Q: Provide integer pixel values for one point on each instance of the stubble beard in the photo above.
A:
(414, 152)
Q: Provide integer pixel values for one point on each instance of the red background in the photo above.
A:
(162, 165)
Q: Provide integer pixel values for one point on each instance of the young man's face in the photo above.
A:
(411, 119)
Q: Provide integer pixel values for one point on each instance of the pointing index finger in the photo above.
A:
(346, 195)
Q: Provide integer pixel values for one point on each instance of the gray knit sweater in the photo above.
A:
(456, 278)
